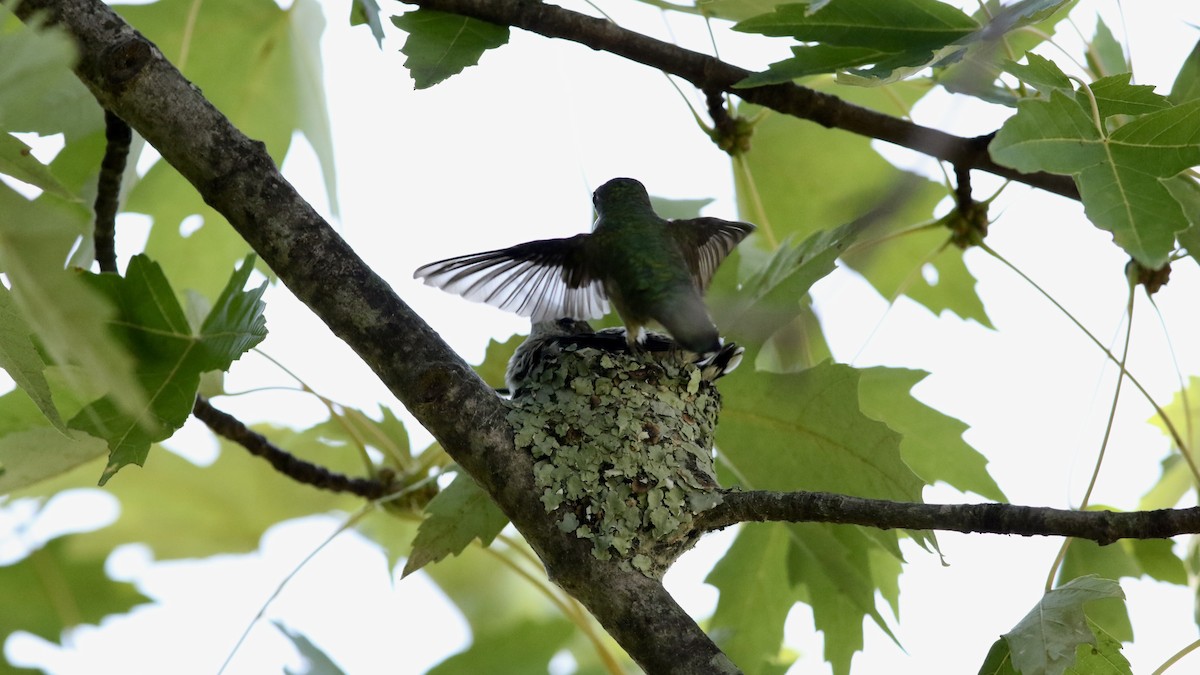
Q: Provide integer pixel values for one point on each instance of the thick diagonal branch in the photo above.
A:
(708, 73)
(1103, 527)
(129, 76)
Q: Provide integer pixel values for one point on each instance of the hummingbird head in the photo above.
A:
(620, 193)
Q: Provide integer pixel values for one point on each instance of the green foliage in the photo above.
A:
(902, 34)
(756, 596)
(931, 444)
(809, 434)
(57, 589)
(1055, 633)
(67, 316)
(316, 662)
(889, 205)
(454, 518)
(1120, 171)
(523, 647)
(440, 45)
(151, 324)
(263, 74)
(895, 39)
(38, 91)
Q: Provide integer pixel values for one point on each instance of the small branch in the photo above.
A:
(226, 425)
(1103, 527)
(118, 136)
(708, 73)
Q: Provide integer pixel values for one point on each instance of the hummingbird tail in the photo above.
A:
(686, 319)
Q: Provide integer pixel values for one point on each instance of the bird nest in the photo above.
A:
(622, 445)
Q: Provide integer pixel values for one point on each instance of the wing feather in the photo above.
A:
(543, 280)
(707, 241)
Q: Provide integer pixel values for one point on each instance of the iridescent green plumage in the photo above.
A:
(651, 269)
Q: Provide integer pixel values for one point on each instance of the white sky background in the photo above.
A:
(509, 151)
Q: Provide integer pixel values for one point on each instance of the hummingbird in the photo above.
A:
(649, 268)
(549, 339)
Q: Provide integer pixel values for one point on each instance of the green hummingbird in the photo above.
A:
(651, 269)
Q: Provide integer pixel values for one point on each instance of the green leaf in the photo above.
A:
(732, 10)
(1187, 82)
(495, 360)
(998, 660)
(814, 60)
(1103, 658)
(892, 253)
(1045, 641)
(18, 161)
(38, 90)
(35, 454)
(181, 510)
(367, 12)
(932, 443)
(1186, 190)
(1120, 174)
(316, 662)
(440, 45)
(756, 596)
(833, 564)
(67, 317)
(897, 38)
(673, 209)
(1039, 72)
(260, 65)
(894, 26)
(1116, 96)
(21, 360)
(456, 516)
(975, 70)
(522, 647)
(772, 297)
(1105, 55)
(56, 589)
(170, 358)
(1125, 558)
(805, 431)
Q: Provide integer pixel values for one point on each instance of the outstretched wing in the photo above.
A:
(706, 242)
(543, 280)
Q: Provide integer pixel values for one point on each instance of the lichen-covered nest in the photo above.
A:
(623, 449)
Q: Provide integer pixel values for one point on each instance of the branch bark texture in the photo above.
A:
(708, 74)
(1103, 527)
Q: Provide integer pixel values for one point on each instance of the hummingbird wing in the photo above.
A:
(544, 280)
(705, 242)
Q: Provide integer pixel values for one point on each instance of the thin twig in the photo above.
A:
(228, 426)
(117, 136)
(1103, 527)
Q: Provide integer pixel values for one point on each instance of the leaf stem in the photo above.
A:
(568, 606)
(1162, 415)
(1112, 415)
(1176, 657)
(358, 515)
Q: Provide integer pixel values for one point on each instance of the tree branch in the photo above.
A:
(227, 426)
(128, 75)
(1103, 527)
(708, 73)
(117, 136)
